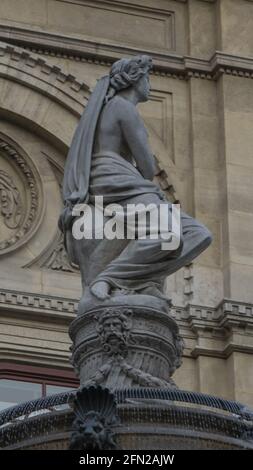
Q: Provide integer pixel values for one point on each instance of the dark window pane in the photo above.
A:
(52, 389)
(13, 392)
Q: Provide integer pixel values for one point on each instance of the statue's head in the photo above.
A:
(134, 72)
(114, 330)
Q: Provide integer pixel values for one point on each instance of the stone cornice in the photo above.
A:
(216, 332)
(32, 71)
(32, 304)
(221, 353)
(227, 313)
(225, 323)
(84, 50)
(225, 316)
(165, 64)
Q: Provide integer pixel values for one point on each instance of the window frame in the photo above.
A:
(40, 375)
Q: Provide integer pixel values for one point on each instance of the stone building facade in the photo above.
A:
(200, 122)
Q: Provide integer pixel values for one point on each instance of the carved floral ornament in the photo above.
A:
(10, 201)
(20, 197)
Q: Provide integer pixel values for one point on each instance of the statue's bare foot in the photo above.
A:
(101, 290)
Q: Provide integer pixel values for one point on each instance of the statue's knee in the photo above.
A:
(206, 236)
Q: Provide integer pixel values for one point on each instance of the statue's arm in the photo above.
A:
(136, 137)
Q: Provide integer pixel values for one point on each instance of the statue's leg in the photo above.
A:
(143, 260)
(196, 239)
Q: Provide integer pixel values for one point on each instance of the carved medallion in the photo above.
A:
(20, 197)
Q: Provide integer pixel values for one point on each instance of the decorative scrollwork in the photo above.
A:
(18, 216)
(10, 201)
(58, 259)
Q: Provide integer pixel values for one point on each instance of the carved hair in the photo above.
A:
(126, 72)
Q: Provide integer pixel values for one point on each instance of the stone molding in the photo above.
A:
(227, 314)
(84, 50)
(26, 68)
(207, 331)
(32, 304)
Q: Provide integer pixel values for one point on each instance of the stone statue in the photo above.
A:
(110, 156)
(123, 334)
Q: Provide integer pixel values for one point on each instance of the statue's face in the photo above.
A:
(112, 326)
(142, 88)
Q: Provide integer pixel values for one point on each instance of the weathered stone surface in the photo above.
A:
(118, 346)
(209, 423)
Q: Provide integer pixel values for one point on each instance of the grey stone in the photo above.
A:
(136, 419)
(123, 335)
(95, 411)
(120, 346)
(110, 157)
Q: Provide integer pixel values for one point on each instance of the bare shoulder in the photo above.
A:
(125, 105)
(114, 109)
(125, 110)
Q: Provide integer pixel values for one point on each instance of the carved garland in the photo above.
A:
(31, 183)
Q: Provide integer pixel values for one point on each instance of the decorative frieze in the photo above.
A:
(34, 303)
(215, 316)
(15, 61)
(213, 332)
(90, 51)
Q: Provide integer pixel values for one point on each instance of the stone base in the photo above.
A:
(148, 419)
(122, 345)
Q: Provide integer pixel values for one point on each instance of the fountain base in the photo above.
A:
(149, 419)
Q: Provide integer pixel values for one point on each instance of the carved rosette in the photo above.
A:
(120, 347)
(20, 197)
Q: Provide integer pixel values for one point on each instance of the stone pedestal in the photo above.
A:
(120, 346)
(148, 418)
